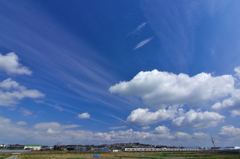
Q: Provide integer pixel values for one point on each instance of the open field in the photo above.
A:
(4, 155)
(130, 155)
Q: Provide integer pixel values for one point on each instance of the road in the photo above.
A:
(12, 157)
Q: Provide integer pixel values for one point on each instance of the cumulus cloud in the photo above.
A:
(11, 92)
(200, 135)
(160, 89)
(146, 127)
(8, 84)
(53, 127)
(162, 130)
(49, 133)
(9, 63)
(235, 113)
(142, 43)
(145, 117)
(198, 120)
(182, 135)
(232, 102)
(21, 123)
(45, 126)
(230, 131)
(237, 70)
(41, 133)
(83, 115)
(117, 127)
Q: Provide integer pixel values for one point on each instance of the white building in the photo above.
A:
(158, 149)
(232, 148)
(32, 147)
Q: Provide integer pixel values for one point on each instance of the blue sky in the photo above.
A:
(94, 72)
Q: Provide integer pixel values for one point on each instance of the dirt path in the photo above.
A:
(12, 157)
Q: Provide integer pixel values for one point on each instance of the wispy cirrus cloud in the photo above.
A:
(138, 29)
(142, 43)
(25, 112)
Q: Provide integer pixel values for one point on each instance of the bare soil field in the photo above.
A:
(130, 155)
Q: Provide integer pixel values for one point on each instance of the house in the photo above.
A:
(14, 146)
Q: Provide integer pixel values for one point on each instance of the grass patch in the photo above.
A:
(75, 158)
(5, 155)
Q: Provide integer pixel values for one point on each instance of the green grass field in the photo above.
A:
(131, 155)
(4, 155)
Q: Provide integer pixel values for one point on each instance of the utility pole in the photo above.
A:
(213, 142)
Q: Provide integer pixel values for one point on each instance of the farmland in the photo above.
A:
(130, 155)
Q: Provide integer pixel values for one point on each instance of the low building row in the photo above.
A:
(24, 147)
(157, 149)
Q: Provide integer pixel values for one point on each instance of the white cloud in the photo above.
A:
(22, 123)
(232, 102)
(145, 117)
(10, 63)
(83, 115)
(230, 131)
(142, 43)
(162, 130)
(200, 135)
(138, 29)
(53, 127)
(49, 133)
(160, 89)
(11, 92)
(70, 126)
(59, 108)
(182, 135)
(235, 113)
(146, 127)
(8, 84)
(198, 120)
(45, 126)
(237, 70)
(25, 112)
(117, 127)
